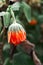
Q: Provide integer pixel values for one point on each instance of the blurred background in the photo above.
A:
(30, 15)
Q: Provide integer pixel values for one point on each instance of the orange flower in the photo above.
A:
(17, 35)
(33, 22)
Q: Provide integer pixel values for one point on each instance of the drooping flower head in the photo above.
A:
(16, 34)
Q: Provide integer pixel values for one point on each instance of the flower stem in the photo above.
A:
(12, 13)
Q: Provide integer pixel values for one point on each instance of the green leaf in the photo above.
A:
(40, 18)
(6, 47)
(7, 62)
(27, 11)
(22, 59)
(6, 19)
(16, 6)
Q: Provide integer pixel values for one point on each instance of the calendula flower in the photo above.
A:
(16, 34)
